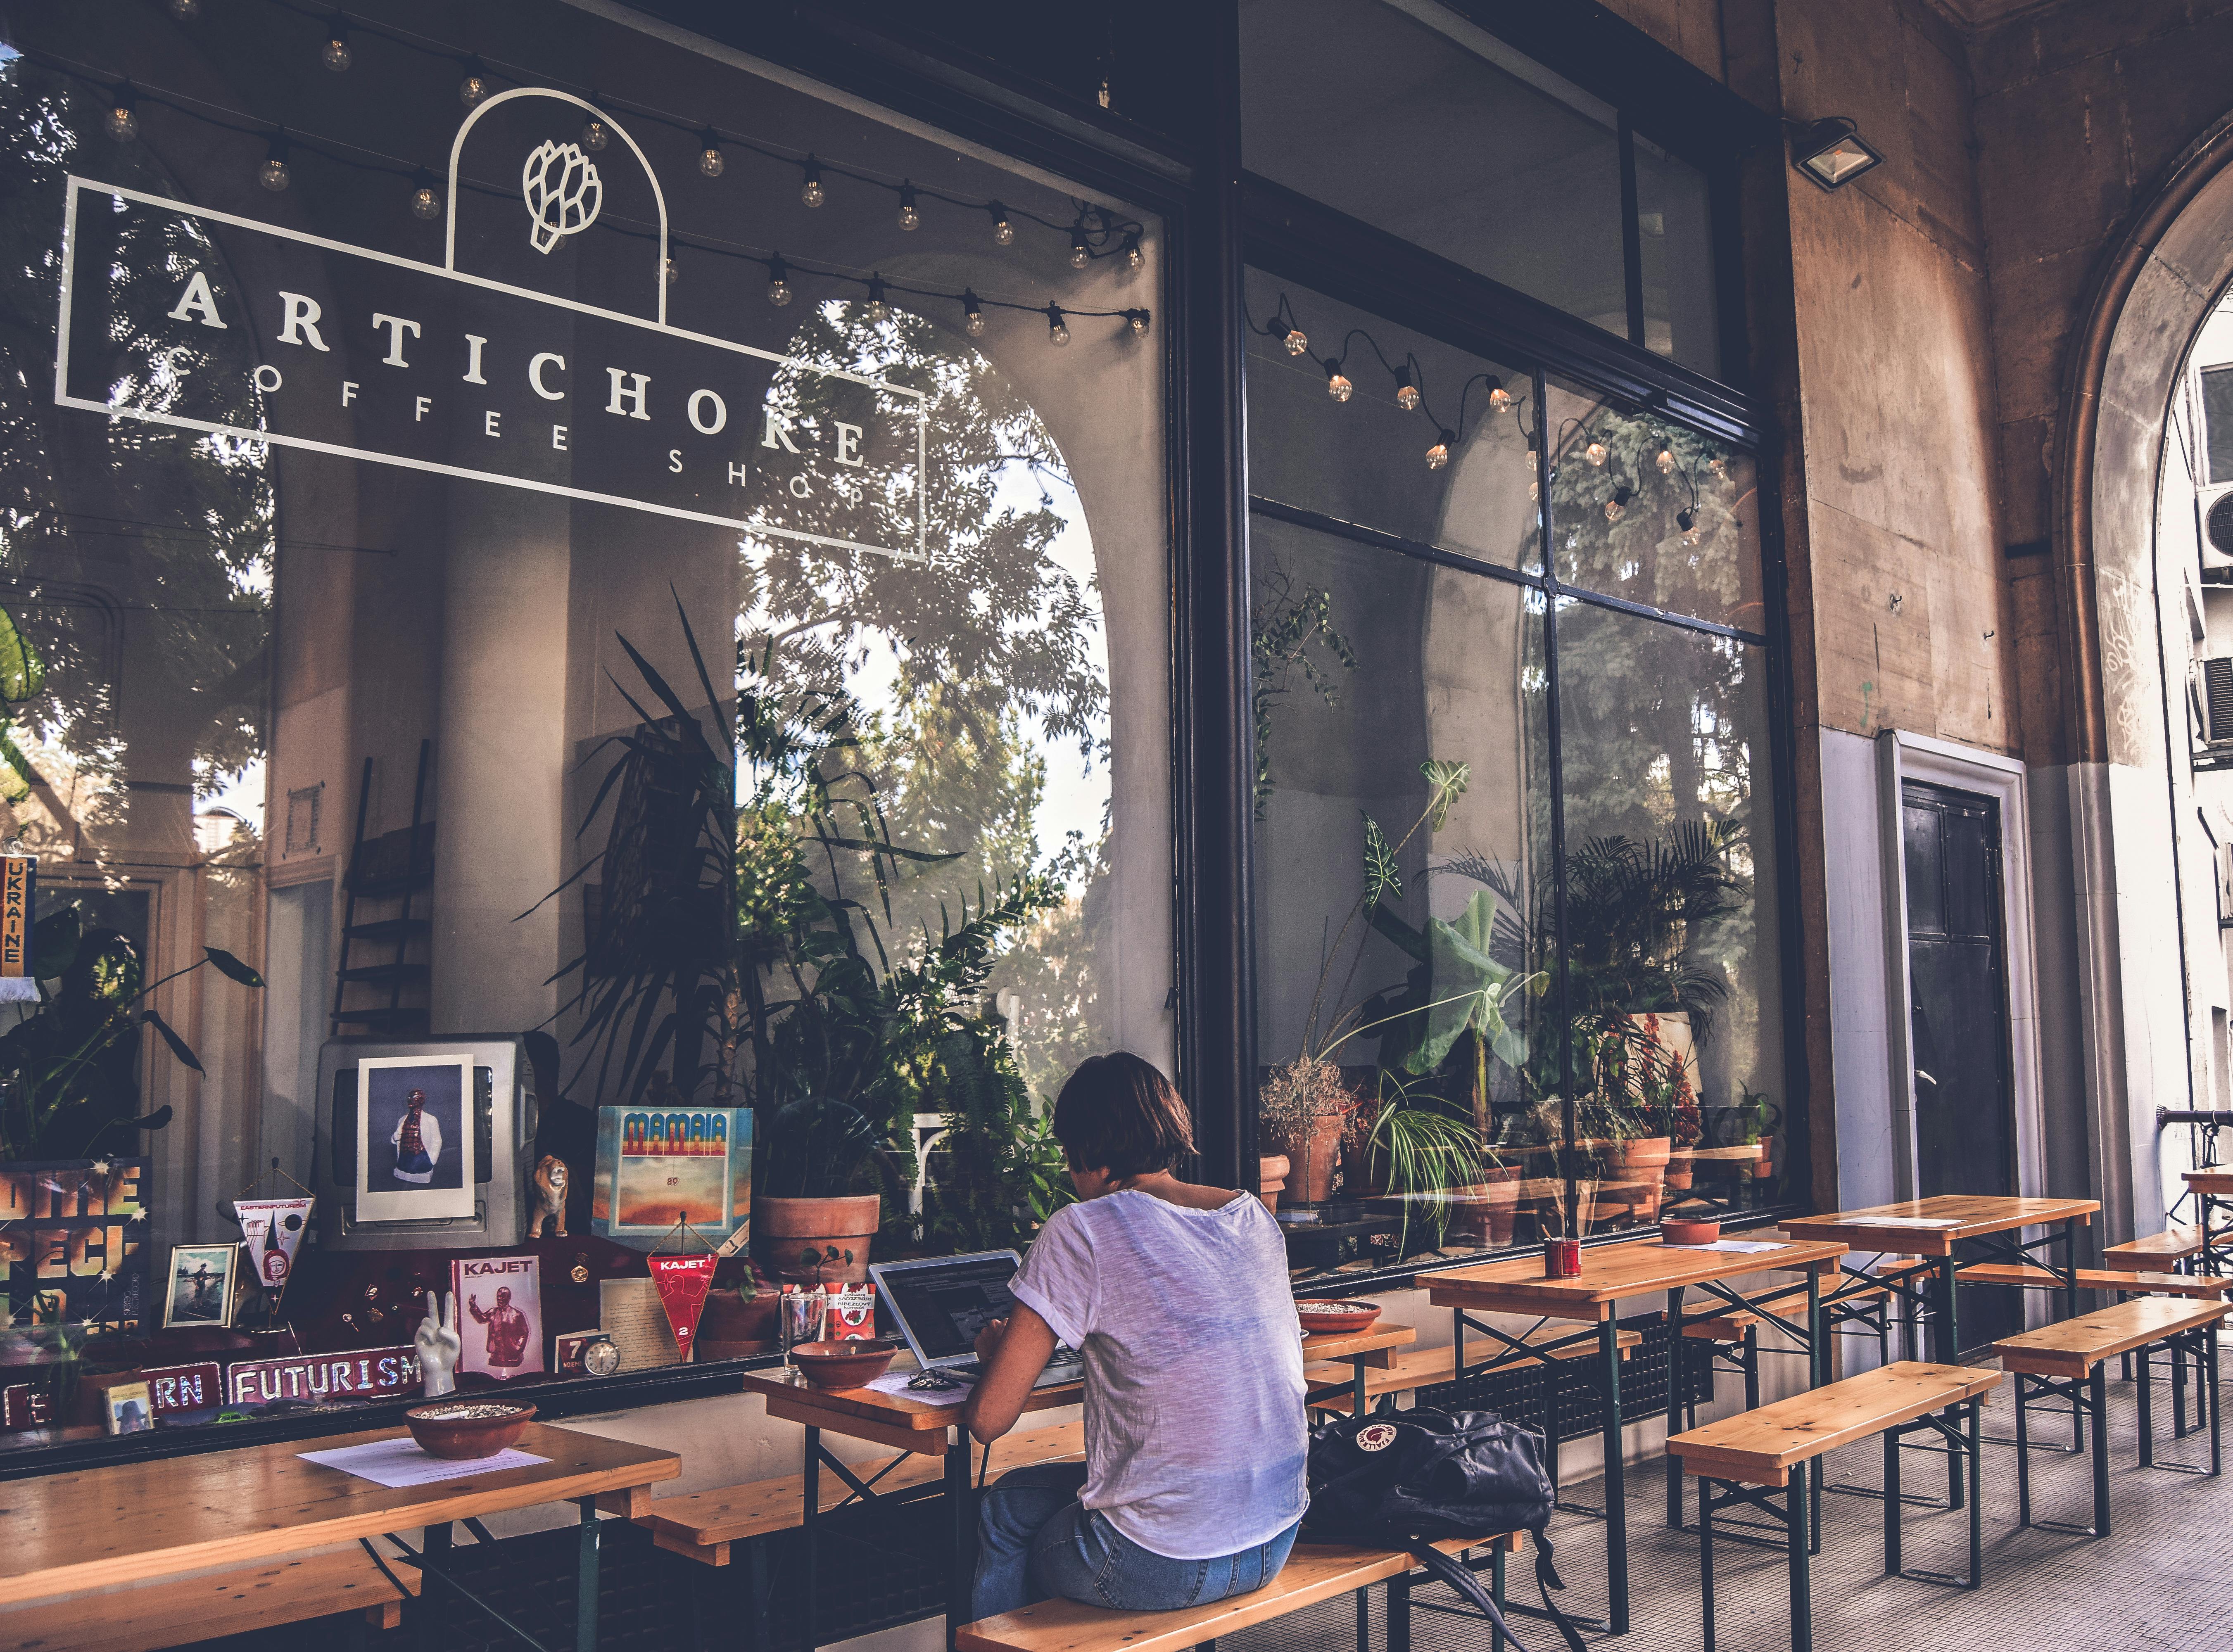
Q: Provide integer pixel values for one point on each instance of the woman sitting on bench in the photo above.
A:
(1175, 1295)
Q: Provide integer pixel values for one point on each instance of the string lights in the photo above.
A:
(1094, 233)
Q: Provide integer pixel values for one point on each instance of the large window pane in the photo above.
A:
(1649, 511)
(1414, 120)
(1673, 986)
(1675, 221)
(1369, 459)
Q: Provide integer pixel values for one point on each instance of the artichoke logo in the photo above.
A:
(563, 192)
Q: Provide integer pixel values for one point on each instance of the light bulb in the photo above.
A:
(426, 199)
(336, 56)
(185, 10)
(1595, 452)
(878, 310)
(1498, 397)
(474, 86)
(1295, 341)
(1338, 384)
(1004, 233)
(595, 134)
(272, 174)
(1694, 535)
(1134, 258)
(810, 191)
(1720, 467)
(1080, 254)
(910, 215)
(1138, 320)
(1439, 454)
(1666, 461)
(1615, 505)
(1058, 329)
(1407, 394)
(973, 314)
(711, 161)
(1534, 489)
(120, 123)
(779, 282)
(673, 272)
(1693, 529)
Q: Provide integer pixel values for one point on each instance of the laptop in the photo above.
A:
(942, 1302)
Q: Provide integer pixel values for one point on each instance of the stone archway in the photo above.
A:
(2159, 284)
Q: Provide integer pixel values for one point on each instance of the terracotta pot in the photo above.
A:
(788, 1228)
(731, 1327)
(1679, 1170)
(1643, 1159)
(1487, 1208)
(1315, 1157)
(1271, 1177)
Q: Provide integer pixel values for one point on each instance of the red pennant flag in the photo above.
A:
(683, 1282)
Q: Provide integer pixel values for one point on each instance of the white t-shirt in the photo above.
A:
(1194, 1435)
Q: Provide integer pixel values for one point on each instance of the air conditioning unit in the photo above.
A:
(2217, 529)
(2213, 698)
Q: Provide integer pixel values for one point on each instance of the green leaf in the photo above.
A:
(1470, 985)
(23, 673)
(232, 968)
(1381, 874)
(1449, 781)
(54, 939)
(178, 1044)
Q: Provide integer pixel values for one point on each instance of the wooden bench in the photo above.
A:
(2067, 1361)
(2030, 1277)
(181, 1611)
(1315, 1572)
(2150, 1252)
(701, 1526)
(1424, 1366)
(1744, 1459)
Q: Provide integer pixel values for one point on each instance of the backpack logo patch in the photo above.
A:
(1377, 1436)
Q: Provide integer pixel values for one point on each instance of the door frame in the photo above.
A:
(1901, 757)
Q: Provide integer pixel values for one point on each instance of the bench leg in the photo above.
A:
(1674, 1388)
(763, 1624)
(1892, 1562)
(1977, 1490)
(1496, 1576)
(1363, 1620)
(1706, 1555)
(1794, 1517)
(1752, 1368)
(2210, 1396)
(2023, 1455)
(1399, 1613)
(810, 1525)
(1616, 1478)
(2099, 1386)
(585, 1578)
(2178, 1392)
(2147, 1410)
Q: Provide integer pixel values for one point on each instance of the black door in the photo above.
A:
(1958, 1015)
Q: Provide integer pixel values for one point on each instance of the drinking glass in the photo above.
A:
(801, 1317)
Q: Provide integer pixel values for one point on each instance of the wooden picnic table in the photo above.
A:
(134, 1523)
(1610, 1274)
(2213, 1196)
(908, 1424)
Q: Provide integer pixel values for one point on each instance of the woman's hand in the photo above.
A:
(988, 1340)
(1015, 1350)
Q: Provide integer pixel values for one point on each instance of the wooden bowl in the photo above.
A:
(461, 1426)
(1676, 1230)
(1325, 1318)
(844, 1364)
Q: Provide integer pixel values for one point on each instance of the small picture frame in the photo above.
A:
(203, 1284)
(414, 1138)
(129, 1408)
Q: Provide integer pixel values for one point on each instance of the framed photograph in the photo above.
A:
(499, 1314)
(202, 1285)
(414, 1138)
(130, 1408)
(657, 1166)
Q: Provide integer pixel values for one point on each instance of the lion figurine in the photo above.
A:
(550, 1177)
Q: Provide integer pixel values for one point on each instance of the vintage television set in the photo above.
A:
(438, 1185)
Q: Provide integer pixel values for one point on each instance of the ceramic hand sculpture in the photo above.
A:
(439, 1346)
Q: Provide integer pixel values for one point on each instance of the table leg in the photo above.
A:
(1356, 1390)
(1706, 1554)
(1802, 1601)
(1892, 1562)
(1674, 1345)
(2146, 1401)
(2099, 1382)
(1946, 1347)
(2070, 1311)
(1616, 1478)
(961, 1498)
(810, 1524)
(2209, 1397)
(1818, 1373)
(1977, 1409)
(585, 1578)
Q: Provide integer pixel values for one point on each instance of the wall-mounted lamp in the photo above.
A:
(1831, 152)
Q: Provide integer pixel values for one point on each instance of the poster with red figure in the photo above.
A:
(503, 1324)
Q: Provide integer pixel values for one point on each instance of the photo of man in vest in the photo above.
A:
(417, 1140)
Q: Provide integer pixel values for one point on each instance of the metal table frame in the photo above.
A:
(436, 1541)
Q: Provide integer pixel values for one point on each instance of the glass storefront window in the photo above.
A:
(707, 554)
(1675, 228)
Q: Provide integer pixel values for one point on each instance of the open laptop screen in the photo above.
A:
(946, 1307)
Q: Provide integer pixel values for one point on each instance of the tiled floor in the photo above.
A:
(2158, 1583)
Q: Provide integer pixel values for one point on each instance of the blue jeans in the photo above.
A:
(1035, 1541)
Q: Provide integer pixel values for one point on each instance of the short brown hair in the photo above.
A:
(1118, 1113)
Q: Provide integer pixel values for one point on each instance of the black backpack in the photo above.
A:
(1406, 1478)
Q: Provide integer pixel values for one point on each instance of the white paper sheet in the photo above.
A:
(1742, 1247)
(895, 1383)
(401, 1462)
(1908, 1222)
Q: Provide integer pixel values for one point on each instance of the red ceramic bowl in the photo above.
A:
(842, 1364)
(463, 1426)
(1322, 1318)
(1674, 1231)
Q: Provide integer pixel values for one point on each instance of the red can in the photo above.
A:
(1562, 1259)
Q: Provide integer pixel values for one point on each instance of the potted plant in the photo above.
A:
(1303, 1108)
(812, 1220)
